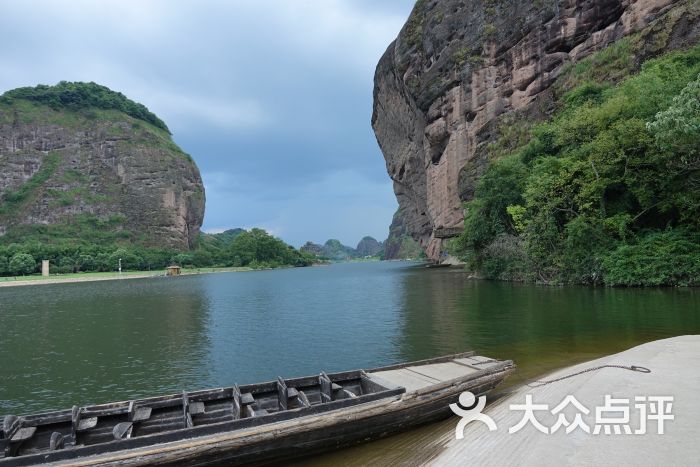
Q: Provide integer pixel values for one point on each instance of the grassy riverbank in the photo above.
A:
(104, 276)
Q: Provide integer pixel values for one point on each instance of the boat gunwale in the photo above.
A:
(212, 393)
(204, 395)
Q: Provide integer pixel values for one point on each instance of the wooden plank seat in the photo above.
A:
(10, 424)
(139, 414)
(12, 434)
(290, 397)
(247, 399)
(123, 430)
(250, 407)
(134, 414)
(254, 411)
(23, 434)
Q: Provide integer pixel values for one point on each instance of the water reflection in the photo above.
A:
(81, 343)
(96, 342)
(540, 327)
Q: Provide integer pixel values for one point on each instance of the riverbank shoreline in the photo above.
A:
(110, 276)
(675, 372)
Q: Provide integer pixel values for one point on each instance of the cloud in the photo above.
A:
(342, 204)
(272, 99)
(238, 114)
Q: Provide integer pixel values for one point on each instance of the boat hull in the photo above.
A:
(297, 433)
(337, 430)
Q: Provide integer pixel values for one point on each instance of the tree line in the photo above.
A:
(254, 248)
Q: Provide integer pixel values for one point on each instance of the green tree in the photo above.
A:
(22, 264)
(587, 198)
(86, 263)
(677, 128)
(257, 248)
(4, 265)
(183, 259)
(129, 260)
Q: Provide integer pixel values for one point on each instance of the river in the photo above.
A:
(85, 343)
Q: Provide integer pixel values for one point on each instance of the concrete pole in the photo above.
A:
(45, 267)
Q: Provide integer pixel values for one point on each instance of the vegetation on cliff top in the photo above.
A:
(76, 96)
(607, 191)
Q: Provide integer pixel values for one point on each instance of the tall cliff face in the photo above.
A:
(459, 69)
(73, 164)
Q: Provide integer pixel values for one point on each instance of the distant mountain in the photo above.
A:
(227, 236)
(334, 250)
(313, 248)
(218, 240)
(368, 246)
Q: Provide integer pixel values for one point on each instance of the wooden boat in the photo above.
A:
(256, 423)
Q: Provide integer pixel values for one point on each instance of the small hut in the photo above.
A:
(173, 270)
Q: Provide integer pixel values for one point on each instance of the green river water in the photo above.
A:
(84, 343)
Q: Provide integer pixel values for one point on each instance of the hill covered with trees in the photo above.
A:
(605, 192)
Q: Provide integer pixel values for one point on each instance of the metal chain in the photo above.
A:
(537, 384)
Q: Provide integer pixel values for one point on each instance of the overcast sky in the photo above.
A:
(273, 99)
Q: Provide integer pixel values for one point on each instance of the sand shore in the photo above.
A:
(97, 277)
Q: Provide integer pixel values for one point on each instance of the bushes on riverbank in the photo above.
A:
(607, 192)
(255, 249)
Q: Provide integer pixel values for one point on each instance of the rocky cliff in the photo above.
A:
(451, 86)
(78, 158)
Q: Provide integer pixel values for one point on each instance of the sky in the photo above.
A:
(272, 99)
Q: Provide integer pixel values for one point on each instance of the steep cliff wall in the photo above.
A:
(459, 69)
(64, 162)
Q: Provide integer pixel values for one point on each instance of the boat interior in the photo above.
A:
(243, 406)
(95, 429)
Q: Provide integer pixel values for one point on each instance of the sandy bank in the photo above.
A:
(65, 280)
(675, 371)
(97, 277)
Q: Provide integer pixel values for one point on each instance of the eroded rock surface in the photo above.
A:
(106, 166)
(459, 66)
